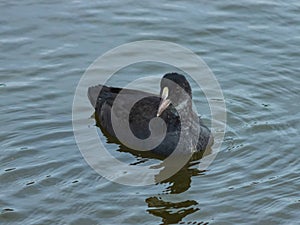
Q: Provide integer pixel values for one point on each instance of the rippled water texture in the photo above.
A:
(251, 46)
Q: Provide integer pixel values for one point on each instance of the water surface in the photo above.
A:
(251, 46)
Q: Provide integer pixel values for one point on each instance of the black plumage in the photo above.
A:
(175, 99)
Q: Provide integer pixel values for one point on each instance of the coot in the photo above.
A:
(174, 106)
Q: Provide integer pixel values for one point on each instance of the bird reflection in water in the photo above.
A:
(169, 211)
(174, 212)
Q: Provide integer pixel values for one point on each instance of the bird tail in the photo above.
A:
(93, 93)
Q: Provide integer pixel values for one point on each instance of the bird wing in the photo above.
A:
(103, 99)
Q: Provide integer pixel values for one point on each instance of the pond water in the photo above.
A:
(252, 47)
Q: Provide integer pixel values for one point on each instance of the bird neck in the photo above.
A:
(189, 125)
(185, 105)
(185, 110)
